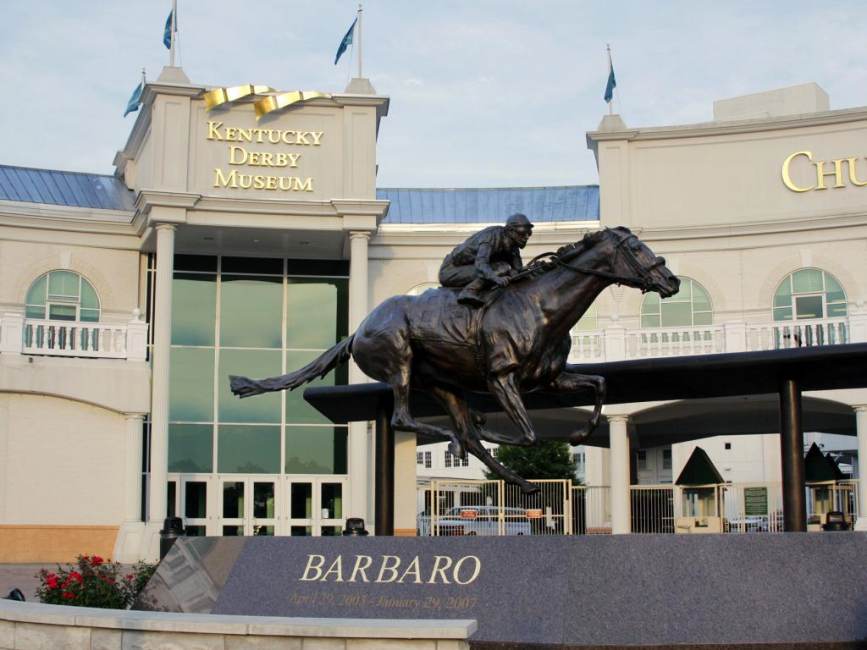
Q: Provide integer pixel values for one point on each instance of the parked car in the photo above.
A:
(483, 520)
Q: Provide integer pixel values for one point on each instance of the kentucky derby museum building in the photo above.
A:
(230, 244)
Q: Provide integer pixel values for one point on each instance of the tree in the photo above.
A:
(546, 459)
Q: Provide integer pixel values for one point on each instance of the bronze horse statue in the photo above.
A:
(518, 343)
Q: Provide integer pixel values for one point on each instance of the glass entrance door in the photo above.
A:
(247, 507)
(256, 504)
(315, 506)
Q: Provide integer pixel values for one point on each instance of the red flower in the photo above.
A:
(128, 577)
(96, 560)
(76, 576)
(68, 595)
(51, 581)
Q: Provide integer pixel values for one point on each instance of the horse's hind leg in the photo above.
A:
(463, 421)
(402, 419)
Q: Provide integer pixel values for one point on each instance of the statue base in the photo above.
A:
(731, 590)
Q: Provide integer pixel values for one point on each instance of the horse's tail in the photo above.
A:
(319, 367)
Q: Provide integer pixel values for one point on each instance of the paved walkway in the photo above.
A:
(22, 576)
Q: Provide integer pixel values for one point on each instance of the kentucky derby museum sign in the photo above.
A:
(596, 590)
(266, 149)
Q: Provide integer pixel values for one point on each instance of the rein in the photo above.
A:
(641, 277)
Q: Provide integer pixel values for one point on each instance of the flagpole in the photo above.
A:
(173, 32)
(359, 40)
(610, 68)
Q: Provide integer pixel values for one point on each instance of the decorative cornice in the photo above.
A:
(361, 207)
(147, 199)
(705, 129)
(63, 213)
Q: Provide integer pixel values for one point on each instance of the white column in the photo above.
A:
(619, 458)
(136, 337)
(11, 333)
(735, 336)
(132, 467)
(159, 447)
(615, 343)
(861, 427)
(359, 458)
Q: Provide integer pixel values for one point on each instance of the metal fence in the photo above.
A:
(652, 508)
(496, 508)
(452, 507)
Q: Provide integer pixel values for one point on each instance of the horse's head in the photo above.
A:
(625, 259)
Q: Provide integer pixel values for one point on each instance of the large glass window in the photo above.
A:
(807, 294)
(62, 295)
(688, 307)
(257, 318)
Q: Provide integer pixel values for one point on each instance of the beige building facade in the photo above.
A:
(243, 233)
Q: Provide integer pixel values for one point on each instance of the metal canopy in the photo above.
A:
(643, 380)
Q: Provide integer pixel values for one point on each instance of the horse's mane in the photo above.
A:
(549, 261)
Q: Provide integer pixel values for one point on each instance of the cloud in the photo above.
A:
(484, 93)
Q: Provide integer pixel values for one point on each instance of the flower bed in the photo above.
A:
(93, 582)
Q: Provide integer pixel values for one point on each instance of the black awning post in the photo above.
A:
(383, 517)
(792, 456)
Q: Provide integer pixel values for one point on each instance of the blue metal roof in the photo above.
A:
(64, 188)
(485, 205)
(408, 205)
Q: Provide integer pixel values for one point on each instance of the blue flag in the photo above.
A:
(167, 32)
(612, 82)
(134, 100)
(346, 42)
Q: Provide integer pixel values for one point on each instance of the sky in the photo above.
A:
(483, 93)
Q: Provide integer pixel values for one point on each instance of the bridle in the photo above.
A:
(641, 277)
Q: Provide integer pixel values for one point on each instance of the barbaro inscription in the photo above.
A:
(441, 569)
(239, 154)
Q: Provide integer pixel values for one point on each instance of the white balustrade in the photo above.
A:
(782, 335)
(674, 341)
(617, 343)
(587, 347)
(80, 339)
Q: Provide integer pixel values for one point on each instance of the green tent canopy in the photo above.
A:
(818, 467)
(699, 470)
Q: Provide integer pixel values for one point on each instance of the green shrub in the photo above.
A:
(93, 582)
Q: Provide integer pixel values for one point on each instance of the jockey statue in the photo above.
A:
(490, 257)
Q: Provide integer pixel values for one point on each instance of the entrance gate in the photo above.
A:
(496, 508)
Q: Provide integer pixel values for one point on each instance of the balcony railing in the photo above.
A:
(618, 343)
(32, 336)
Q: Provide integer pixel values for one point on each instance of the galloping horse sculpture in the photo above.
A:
(518, 343)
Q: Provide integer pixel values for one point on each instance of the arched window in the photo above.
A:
(688, 307)
(421, 288)
(62, 295)
(809, 293)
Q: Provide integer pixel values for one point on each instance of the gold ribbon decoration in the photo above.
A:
(276, 102)
(220, 96)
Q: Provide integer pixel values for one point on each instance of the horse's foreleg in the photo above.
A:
(463, 420)
(505, 389)
(571, 381)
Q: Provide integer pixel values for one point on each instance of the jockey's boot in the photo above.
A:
(470, 294)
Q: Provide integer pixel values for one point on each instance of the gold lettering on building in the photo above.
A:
(839, 172)
(235, 180)
(240, 155)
